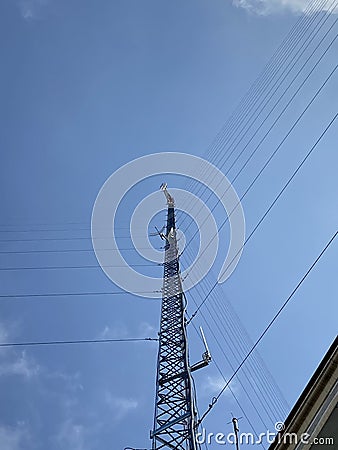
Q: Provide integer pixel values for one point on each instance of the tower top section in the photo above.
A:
(170, 199)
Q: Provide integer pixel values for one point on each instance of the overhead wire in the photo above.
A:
(281, 56)
(77, 341)
(74, 250)
(269, 407)
(246, 392)
(273, 394)
(272, 321)
(257, 393)
(80, 294)
(284, 188)
(279, 61)
(94, 266)
(300, 165)
(330, 28)
(267, 382)
(38, 230)
(75, 238)
(261, 399)
(231, 391)
(271, 110)
(100, 294)
(279, 145)
(255, 116)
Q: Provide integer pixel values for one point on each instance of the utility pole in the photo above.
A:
(175, 421)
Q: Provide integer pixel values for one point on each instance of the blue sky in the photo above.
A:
(85, 88)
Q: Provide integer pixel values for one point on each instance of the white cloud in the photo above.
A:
(3, 339)
(61, 389)
(120, 406)
(213, 384)
(12, 363)
(267, 7)
(71, 382)
(32, 9)
(147, 330)
(22, 365)
(14, 438)
(72, 436)
(3, 333)
(117, 331)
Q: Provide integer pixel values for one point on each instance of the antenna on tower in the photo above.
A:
(159, 233)
(175, 421)
(206, 357)
(236, 431)
(170, 200)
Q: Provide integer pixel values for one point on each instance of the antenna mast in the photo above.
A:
(175, 421)
(236, 431)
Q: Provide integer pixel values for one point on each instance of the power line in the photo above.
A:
(262, 399)
(215, 399)
(75, 250)
(265, 381)
(234, 330)
(281, 142)
(279, 63)
(33, 230)
(270, 207)
(249, 99)
(78, 294)
(42, 224)
(78, 341)
(78, 267)
(275, 65)
(60, 224)
(231, 390)
(76, 238)
(254, 384)
(284, 109)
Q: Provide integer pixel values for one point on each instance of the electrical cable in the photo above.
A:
(284, 109)
(76, 238)
(78, 341)
(78, 267)
(231, 391)
(256, 372)
(215, 399)
(75, 250)
(235, 328)
(279, 60)
(261, 376)
(211, 330)
(271, 205)
(38, 230)
(78, 294)
(259, 369)
(267, 407)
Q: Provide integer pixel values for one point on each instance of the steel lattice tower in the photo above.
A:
(175, 421)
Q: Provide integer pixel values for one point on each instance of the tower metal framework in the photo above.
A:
(175, 421)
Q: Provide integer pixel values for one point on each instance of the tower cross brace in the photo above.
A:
(175, 420)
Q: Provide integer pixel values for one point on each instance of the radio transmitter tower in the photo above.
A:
(175, 422)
